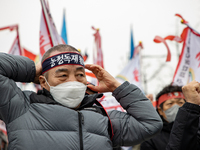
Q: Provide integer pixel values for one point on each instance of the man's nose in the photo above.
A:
(72, 78)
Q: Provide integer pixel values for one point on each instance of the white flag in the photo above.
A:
(15, 49)
(49, 36)
(131, 72)
(188, 67)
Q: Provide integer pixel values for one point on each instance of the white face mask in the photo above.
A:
(171, 113)
(69, 94)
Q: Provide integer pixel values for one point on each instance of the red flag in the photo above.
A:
(29, 54)
(158, 39)
(97, 52)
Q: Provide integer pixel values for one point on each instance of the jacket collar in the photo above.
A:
(44, 96)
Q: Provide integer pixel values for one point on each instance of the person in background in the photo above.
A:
(185, 134)
(61, 116)
(169, 100)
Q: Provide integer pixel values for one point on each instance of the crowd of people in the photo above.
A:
(66, 113)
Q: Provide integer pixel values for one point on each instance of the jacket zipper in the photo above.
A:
(81, 121)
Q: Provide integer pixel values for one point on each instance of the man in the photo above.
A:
(61, 116)
(169, 99)
(185, 134)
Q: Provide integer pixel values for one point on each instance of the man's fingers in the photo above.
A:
(191, 92)
(194, 84)
(96, 69)
(191, 88)
(93, 88)
(198, 87)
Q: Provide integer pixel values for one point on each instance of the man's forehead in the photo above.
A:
(68, 68)
(55, 53)
(174, 99)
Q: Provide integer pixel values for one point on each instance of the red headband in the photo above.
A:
(167, 96)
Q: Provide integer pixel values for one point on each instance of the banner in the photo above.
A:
(97, 51)
(188, 67)
(131, 71)
(49, 36)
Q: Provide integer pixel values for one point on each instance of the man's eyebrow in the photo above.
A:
(61, 70)
(80, 69)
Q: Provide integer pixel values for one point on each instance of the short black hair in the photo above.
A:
(168, 89)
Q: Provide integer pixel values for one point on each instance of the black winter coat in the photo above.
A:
(160, 141)
(185, 133)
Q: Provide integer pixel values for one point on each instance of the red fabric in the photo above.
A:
(168, 96)
(10, 27)
(173, 38)
(158, 39)
(154, 103)
(90, 74)
(184, 21)
(29, 54)
(184, 34)
(99, 58)
(85, 57)
(138, 48)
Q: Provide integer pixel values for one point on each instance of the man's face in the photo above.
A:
(64, 73)
(168, 104)
(171, 102)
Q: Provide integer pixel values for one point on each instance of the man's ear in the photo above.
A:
(160, 111)
(42, 81)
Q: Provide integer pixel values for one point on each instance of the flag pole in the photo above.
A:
(47, 21)
(9, 27)
(183, 21)
(12, 27)
(20, 48)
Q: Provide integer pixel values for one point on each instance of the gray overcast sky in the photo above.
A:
(147, 18)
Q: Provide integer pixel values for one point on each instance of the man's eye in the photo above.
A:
(80, 75)
(63, 75)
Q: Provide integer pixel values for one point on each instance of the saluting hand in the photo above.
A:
(107, 83)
